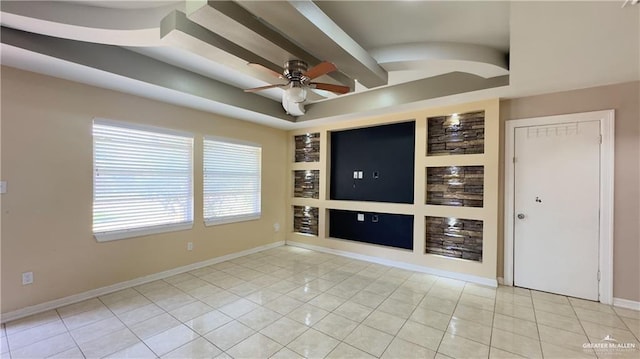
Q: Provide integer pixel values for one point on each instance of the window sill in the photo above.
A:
(139, 232)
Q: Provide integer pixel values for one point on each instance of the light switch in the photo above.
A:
(360, 174)
(360, 217)
(355, 174)
(3, 186)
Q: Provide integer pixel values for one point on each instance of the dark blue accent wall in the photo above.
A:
(394, 230)
(385, 155)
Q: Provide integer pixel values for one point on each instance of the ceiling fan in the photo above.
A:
(299, 79)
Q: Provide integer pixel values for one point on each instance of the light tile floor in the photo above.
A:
(290, 302)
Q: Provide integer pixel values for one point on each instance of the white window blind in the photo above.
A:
(142, 180)
(231, 181)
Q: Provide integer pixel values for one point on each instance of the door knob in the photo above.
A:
(520, 215)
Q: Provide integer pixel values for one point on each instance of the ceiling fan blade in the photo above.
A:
(323, 68)
(265, 69)
(330, 87)
(256, 89)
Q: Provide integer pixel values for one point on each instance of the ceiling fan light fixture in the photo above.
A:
(293, 98)
(295, 93)
(299, 78)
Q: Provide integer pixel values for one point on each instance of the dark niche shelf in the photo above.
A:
(392, 230)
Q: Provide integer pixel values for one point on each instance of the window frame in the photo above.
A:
(118, 234)
(212, 221)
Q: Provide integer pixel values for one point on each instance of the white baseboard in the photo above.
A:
(397, 264)
(57, 303)
(625, 303)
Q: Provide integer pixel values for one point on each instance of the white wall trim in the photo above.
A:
(606, 119)
(626, 303)
(397, 264)
(43, 307)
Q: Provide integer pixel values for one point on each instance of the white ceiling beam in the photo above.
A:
(235, 23)
(178, 31)
(83, 22)
(129, 64)
(389, 96)
(305, 24)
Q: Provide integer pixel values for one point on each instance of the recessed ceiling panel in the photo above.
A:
(384, 23)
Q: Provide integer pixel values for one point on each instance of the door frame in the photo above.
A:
(605, 250)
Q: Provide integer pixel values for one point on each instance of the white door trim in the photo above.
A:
(606, 119)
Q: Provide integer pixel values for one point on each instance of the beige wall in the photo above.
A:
(46, 150)
(625, 100)
(484, 271)
(46, 214)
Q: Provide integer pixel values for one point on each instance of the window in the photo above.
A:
(231, 181)
(142, 180)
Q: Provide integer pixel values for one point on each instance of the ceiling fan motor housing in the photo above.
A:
(294, 70)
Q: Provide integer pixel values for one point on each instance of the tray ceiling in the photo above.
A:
(393, 54)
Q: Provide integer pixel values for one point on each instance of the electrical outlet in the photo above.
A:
(276, 227)
(3, 187)
(189, 246)
(27, 278)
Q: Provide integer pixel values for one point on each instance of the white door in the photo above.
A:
(556, 203)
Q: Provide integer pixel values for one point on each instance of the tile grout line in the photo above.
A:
(284, 316)
(314, 270)
(535, 316)
(581, 326)
(198, 300)
(217, 309)
(70, 335)
(450, 318)
(41, 339)
(513, 317)
(310, 327)
(637, 336)
(333, 312)
(403, 324)
(126, 326)
(495, 306)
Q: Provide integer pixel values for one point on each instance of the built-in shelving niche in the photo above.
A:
(456, 134)
(454, 237)
(306, 184)
(307, 147)
(455, 186)
(460, 186)
(305, 220)
(373, 164)
(386, 229)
